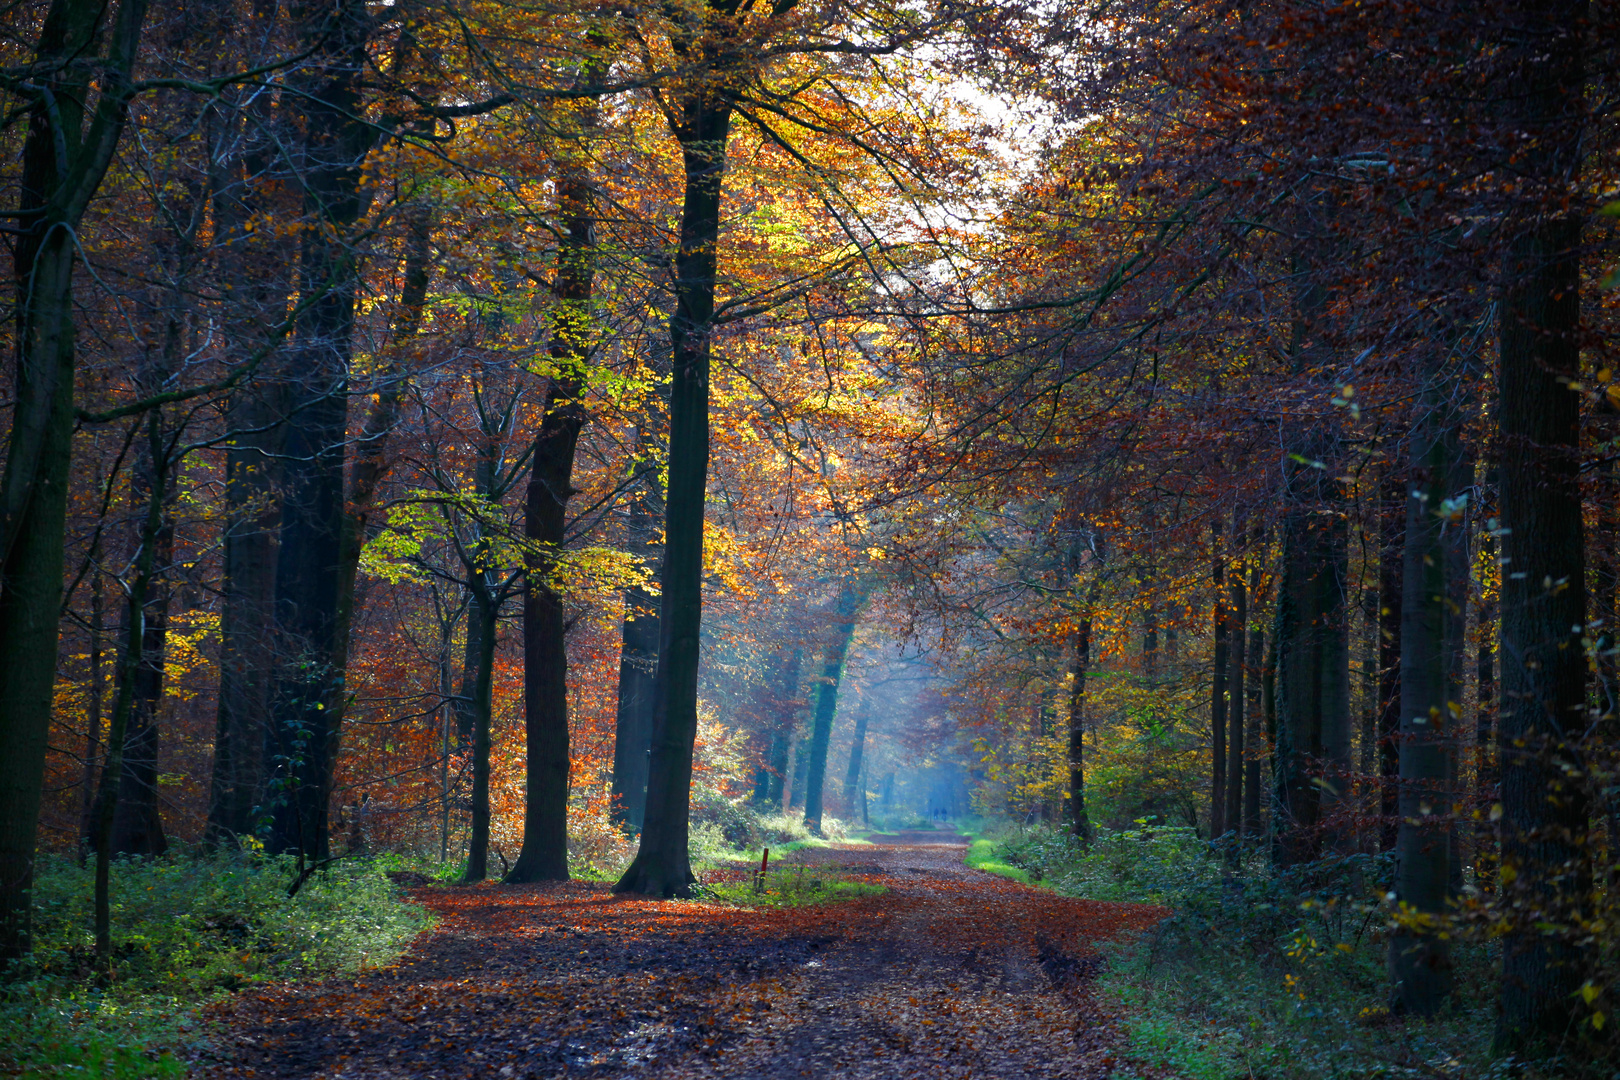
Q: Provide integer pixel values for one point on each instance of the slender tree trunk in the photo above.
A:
(1217, 701)
(1545, 821)
(137, 822)
(1391, 595)
(786, 731)
(137, 590)
(850, 599)
(662, 866)
(638, 656)
(484, 611)
(1237, 661)
(1079, 670)
(857, 750)
(545, 650)
(1485, 780)
(1257, 715)
(34, 486)
(93, 710)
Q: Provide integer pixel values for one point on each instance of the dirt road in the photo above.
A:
(952, 973)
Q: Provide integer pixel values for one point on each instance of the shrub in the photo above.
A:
(186, 929)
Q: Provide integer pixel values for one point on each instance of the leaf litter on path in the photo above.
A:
(952, 973)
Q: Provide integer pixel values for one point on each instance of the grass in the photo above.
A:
(982, 855)
(789, 887)
(187, 930)
(1256, 973)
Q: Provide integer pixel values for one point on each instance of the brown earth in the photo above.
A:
(951, 973)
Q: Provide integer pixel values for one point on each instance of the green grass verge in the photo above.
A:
(981, 855)
(795, 886)
(186, 930)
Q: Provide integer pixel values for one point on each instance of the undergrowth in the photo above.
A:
(1256, 973)
(186, 930)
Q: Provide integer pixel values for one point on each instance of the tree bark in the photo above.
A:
(1217, 700)
(1419, 962)
(638, 655)
(850, 599)
(662, 866)
(309, 690)
(1544, 827)
(857, 751)
(1237, 661)
(34, 487)
(1313, 661)
(545, 649)
(1391, 593)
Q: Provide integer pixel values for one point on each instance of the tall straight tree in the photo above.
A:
(840, 632)
(65, 157)
(545, 524)
(1543, 670)
(700, 113)
(308, 688)
(1218, 700)
(1311, 641)
(1419, 962)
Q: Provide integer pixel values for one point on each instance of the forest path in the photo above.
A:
(952, 973)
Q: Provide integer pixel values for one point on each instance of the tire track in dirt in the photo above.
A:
(952, 973)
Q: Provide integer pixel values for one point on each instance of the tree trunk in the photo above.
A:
(137, 824)
(850, 599)
(1391, 590)
(242, 720)
(309, 691)
(1238, 658)
(786, 731)
(483, 611)
(1256, 715)
(1079, 669)
(545, 650)
(662, 866)
(857, 750)
(1217, 700)
(137, 592)
(34, 487)
(1420, 963)
(638, 656)
(1313, 667)
(1545, 860)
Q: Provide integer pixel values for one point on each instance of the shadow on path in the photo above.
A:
(952, 973)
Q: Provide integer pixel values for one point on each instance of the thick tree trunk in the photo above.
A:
(242, 724)
(842, 630)
(309, 691)
(662, 866)
(34, 487)
(1545, 823)
(545, 650)
(1419, 963)
(1313, 668)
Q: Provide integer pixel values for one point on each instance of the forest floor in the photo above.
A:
(950, 973)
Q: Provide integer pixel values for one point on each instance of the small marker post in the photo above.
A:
(759, 878)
